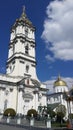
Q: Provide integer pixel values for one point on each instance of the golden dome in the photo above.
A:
(59, 82)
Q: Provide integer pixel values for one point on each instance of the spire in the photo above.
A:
(23, 15)
(23, 8)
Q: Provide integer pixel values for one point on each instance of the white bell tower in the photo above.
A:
(21, 57)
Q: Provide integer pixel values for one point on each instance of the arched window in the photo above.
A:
(26, 49)
(28, 81)
(71, 92)
(27, 68)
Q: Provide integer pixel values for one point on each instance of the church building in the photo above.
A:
(20, 88)
(61, 99)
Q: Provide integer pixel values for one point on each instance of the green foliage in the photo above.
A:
(61, 109)
(60, 116)
(40, 108)
(50, 112)
(71, 115)
(58, 124)
(32, 111)
(61, 112)
(9, 112)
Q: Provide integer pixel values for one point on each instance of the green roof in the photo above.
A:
(53, 106)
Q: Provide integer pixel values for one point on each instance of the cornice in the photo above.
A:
(17, 57)
(23, 38)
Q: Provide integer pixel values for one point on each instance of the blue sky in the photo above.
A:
(54, 35)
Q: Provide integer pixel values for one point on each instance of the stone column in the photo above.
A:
(36, 98)
(32, 120)
(8, 118)
(19, 110)
(19, 120)
(2, 99)
(48, 122)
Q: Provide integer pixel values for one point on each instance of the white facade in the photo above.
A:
(20, 88)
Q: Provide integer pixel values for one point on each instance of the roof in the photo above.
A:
(53, 106)
(59, 82)
(23, 20)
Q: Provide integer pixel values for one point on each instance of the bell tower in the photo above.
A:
(21, 56)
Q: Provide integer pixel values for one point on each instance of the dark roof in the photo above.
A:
(53, 106)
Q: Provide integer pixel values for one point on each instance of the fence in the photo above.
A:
(23, 121)
(31, 124)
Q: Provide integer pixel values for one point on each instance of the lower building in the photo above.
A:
(21, 94)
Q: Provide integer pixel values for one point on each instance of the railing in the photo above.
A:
(22, 121)
(30, 124)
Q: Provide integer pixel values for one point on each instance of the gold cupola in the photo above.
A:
(59, 82)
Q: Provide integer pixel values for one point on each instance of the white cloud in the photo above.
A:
(49, 58)
(58, 29)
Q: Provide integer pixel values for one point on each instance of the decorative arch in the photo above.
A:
(71, 92)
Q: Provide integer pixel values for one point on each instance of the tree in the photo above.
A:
(71, 115)
(9, 112)
(32, 111)
(51, 112)
(61, 112)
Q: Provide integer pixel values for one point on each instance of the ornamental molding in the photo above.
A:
(21, 55)
(27, 95)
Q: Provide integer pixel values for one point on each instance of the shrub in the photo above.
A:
(71, 115)
(60, 116)
(61, 112)
(10, 112)
(32, 111)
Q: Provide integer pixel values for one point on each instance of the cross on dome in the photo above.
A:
(59, 77)
(23, 8)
